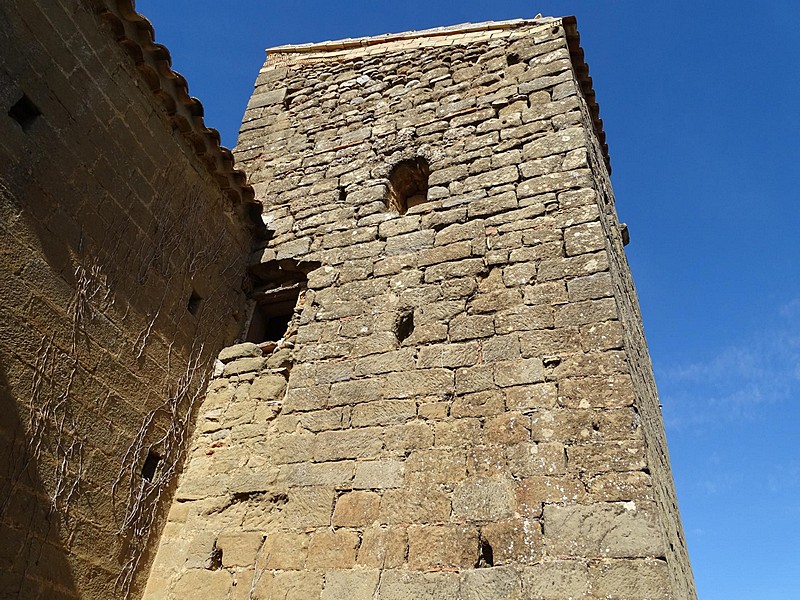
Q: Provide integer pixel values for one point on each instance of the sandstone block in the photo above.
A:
(355, 392)
(607, 335)
(336, 474)
(518, 372)
(603, 457)
(523, 318)
(474, 379)
(483, 499)
(550, 342)
(295, 585)
(621, 487)
(588, 311)
(349, 443)
(514, 541)
(467, 327)
(448, 355)
(268, 387)
(379, 474)
(422, 382)
(244, 365)
(442, 547)
(415, 504)
(246, 350)
(528, 459)
(614, 391)
(383, 412)
(488, 584)
(501, 348)
(583, 238)
(435, 465)
(479, 404)
(383, 547)
(308, 507)
(470, 267)
(410, 242)
(605, 530)
(556, 580)
(356, 509)
(458, 433)
(414, 585)
(442, 254)
(647, 578)
(548, 292)
(332, 549)
(527, 397)
(216, 584)
(496, 203)
(285, 550)
(353, 585)
(590, 287)
(400, 439)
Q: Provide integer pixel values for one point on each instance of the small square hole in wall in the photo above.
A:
(150, 465)
(193, 306)
(24, 112)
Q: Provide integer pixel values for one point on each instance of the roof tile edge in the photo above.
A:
(136, 35)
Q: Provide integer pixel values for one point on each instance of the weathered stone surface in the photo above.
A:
(556, 580)
(601, 530)
(356, 509)
(459, 407)
(332, 549)
(482, 499)
(442, 547)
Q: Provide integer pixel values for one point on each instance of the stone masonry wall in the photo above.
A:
(121, 268)
(462, 405)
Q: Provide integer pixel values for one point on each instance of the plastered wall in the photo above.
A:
(122, 263)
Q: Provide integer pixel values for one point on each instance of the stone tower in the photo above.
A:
(445, 390)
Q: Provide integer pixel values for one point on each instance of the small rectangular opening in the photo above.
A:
(193, 306)
(150, 466)
(270, 321)
(24, 112)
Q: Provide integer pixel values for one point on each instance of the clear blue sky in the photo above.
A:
(699, 104)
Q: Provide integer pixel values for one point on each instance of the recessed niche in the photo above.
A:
(408, 184)
(24, 112)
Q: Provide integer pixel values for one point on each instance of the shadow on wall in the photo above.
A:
(31, 552)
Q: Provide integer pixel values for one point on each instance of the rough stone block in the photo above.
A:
(332, 549)
(378, 474)
(383, 412)
(349, 443)
(556, 580)
(518, 372)
(489, 584)
(442, 547)
(631, 579)
(483, 499)
(614, 391)
(479, 404)
(353, 585)
(356, 509)
(413, 504)
(285, 550)
(624, 530)
(514, 541)
(383, 547)
(413, 585)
